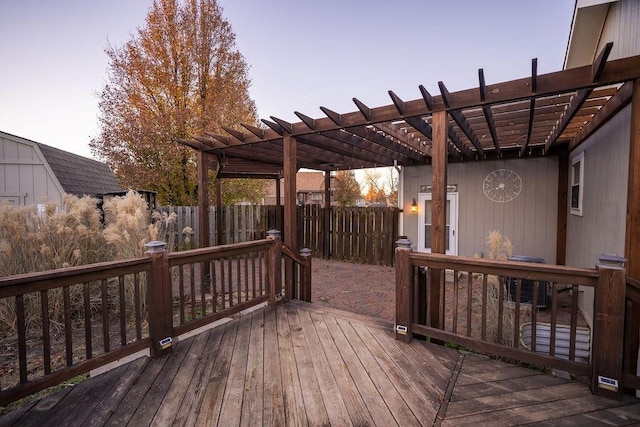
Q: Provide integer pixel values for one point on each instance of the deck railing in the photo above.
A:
(211, 283)
(63, 323)
(516, 310)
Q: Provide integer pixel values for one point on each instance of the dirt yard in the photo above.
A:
(359, 288)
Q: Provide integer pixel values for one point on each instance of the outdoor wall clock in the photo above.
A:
(502, 185)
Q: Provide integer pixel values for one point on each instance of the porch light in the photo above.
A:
(414, 206)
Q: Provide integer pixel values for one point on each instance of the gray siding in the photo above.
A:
(622, 28)
(601, 228)
(529, 221)
(24, 175)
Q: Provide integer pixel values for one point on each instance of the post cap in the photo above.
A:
(305, 252)
(273, 233)
(611, 260)
(155, 246)
(404, 243)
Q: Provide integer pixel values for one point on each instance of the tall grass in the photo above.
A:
(57, 237)
(73, 234)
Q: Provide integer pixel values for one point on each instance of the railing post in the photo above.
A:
(404, 291)
(159, 300)
(274, 267)
(608, 327)
(305, 291)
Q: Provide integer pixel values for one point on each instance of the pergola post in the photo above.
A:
(203, 214)
(290, 151)
(278, 205)
(439, 214)
(563, 202)
(326, 244)
(203, 199)
(632, 238)
(219, 224)
(632, 243)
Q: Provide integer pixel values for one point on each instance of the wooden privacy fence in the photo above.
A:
(361, 235)
(240, 223)
(523, 311)
(59, 324)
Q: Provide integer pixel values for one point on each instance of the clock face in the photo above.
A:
(502, 185)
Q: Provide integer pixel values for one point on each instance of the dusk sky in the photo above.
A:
(303, 54)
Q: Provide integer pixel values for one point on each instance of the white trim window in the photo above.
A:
(577, 184)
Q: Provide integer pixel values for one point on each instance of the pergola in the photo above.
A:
(540, 115)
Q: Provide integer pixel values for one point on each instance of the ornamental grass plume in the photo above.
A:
(126, 229)
(500, 247)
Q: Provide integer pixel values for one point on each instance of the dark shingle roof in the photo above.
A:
(79, 175)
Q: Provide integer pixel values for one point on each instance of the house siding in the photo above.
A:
(529, 221)
(621, 28)
(24, 174)
(601, 228)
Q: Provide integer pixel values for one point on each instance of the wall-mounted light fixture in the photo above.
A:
(414, 206)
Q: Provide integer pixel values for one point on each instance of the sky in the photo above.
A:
(302, 54)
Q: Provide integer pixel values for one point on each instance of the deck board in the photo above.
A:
(252, 403)
(212, 400)
(231, 409)
(300, 364)
(334, 404)
(355, 404)
(294, 409)
(273, 411)
(194, 394)
(314, 407)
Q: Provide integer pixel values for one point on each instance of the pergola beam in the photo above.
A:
(572, 108)
(366, 111)
(283, 124)
(486, 111)
(580, 97)
(458, 143)
(376, 153)
(615, 104)
(240, 136)
(259, 132)
(371, 135)
(311, 123)
(532, 104)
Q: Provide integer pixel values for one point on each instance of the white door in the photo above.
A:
(424, 223)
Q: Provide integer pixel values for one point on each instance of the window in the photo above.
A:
(577, 184)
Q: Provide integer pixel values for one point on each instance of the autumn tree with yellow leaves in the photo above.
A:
(179, 75)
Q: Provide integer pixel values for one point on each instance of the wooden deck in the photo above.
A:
(300, 364)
